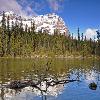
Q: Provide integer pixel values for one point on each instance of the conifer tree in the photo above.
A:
(98, 41)
(78, 31)
(82, 37)
(3, 35)
(8, 36)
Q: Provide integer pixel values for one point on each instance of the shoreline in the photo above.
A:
(55, 56)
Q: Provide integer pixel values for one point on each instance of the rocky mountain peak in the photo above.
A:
(48, 22)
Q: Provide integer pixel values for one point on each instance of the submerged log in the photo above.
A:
(17, 85)
(23, 84)
(52, 83)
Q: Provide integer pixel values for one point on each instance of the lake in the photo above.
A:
(50, 79)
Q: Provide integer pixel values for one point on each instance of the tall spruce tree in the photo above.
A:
(3, 35)
(98, 41)
(8, 36)
(82, 37)
(78, 31)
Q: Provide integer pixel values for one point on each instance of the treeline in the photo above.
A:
(16, 41)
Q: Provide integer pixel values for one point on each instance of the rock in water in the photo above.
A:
(93, 86)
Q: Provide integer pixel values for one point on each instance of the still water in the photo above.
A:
(54, 79)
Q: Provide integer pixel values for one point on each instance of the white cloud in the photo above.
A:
(13, 5)
(29, 7)
(90, 33)
(55, 5)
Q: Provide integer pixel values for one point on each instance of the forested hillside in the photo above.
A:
(18, 42)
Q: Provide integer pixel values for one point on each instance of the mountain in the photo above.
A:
(48, 22)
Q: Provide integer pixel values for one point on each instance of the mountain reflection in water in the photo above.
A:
(57, 79)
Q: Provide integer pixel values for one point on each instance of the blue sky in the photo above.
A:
(76, 13)
(84, 14)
